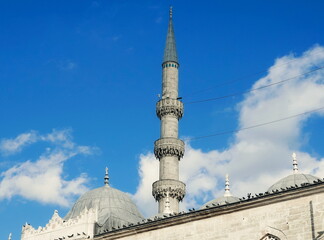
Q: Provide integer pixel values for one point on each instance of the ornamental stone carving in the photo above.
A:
(168, 188)
(169, 147)
(58, 228)
(169, 106)
(270, 237)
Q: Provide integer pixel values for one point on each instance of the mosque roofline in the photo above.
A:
(257, 200)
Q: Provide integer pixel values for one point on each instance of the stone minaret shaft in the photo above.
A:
(168, 190)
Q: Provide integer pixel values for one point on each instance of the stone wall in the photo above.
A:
(296, 214)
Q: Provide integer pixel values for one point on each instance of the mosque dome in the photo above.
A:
(115, 208)
(221, 201)
(294, 179)
(225, 199)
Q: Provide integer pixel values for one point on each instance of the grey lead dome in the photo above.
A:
(115, 208)
(292, 180)
(220, 201)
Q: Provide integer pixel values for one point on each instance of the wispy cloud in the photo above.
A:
(159, 20)
(15, 145)
(258, 157)
(116, 38)
(67, 65)
(42, 180)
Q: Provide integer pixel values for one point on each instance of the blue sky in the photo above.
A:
(79, 82)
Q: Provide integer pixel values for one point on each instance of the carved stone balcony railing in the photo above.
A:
(168, 188)
(169, 147)
(169, 106)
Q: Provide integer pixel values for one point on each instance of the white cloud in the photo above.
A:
(42, 180)
(257, 157)
(148, 172)
(12, 146)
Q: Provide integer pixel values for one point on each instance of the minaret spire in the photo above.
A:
(295, 163)
(170, 51)
(169, 149)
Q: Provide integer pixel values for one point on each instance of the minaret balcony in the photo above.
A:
(169, 147)
(168, 188)
(169, 106)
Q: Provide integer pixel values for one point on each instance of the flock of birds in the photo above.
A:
(249, 197)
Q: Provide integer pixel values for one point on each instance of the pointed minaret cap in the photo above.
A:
(227, 188)
(170, 51)
(9, 238)
(295, 164)
(106, 177)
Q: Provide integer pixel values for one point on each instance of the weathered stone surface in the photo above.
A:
(58, 228)
(170, 82)
(168, 188)
(169, 147)
(169, 106)
(290, 215)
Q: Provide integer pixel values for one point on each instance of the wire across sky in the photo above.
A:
(249, 75)
(256, 125)
(254, 89)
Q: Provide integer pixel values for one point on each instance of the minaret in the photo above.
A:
(169, 149)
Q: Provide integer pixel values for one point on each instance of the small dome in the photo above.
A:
(292, 180)
(225, 199)
(220, 201)
(115, 208)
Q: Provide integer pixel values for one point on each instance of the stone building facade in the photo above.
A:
(292, 214)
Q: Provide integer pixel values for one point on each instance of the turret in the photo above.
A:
(169, 149)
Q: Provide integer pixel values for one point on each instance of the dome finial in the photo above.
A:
(227, 188)
(106, 177)
(295, 164)
(170, 11)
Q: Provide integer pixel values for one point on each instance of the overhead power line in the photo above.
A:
(255, 126)
(250, 75)
(254, 89)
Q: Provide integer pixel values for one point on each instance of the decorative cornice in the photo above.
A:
(57, 224)
(168, 188)
(169, 106)
(169, 147)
